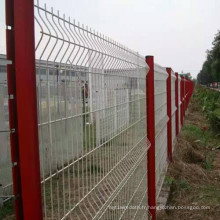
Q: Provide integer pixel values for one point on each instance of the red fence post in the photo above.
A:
(177, 103)
(169, 114)
(9, 20)
(186, 93)
(184, 96)
(151, 137)
(24, 97)
(182, 100)
(190, 90)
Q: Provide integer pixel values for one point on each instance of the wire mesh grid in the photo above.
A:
(92, 122)
(5, 159)
(161, 119)
(173, 108)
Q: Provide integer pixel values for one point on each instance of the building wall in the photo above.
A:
(5, 159)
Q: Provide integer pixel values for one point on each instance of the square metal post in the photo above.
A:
(151, 137)
(23, 109)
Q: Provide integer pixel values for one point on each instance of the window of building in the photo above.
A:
(2, 69)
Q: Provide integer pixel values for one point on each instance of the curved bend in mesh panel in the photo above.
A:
(173, 108)
(161, 119)
(92, 122)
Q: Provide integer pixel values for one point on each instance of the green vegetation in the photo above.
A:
(209, 160)
(194, 133)
(193, 177)
(211, 68)
(209, 100)
(7, 210)
(177, 183)
(211, 192)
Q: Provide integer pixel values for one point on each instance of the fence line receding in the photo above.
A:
(98, 103)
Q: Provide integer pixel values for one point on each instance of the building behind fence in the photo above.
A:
(95, 154)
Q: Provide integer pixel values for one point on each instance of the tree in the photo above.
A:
(188, 76)
(211, 67)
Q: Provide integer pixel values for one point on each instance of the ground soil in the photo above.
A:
(194, 180)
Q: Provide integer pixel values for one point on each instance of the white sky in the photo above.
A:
(176, 32)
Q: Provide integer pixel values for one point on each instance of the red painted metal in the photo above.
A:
(151, 137)
(187, 93)
(181, 98)
(177, 103)
(189, 90)
(184, 97)
(26, 106)
(9, 10)
(169, 114)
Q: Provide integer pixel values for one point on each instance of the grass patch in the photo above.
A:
(183, 184)
(177, 183)
(169, 180)
(7, 210)
(209, 160)
(210, 193)
(205, 138)
(195, 133)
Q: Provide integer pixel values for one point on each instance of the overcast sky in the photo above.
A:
(176, 32)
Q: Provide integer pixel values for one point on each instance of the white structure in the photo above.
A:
(5, 159)
(161, 119)
(110, 95)
(3, 63)
(173, 108)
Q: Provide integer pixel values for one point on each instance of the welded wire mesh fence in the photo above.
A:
(161, 119)
(92, 122)
(5, 161)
